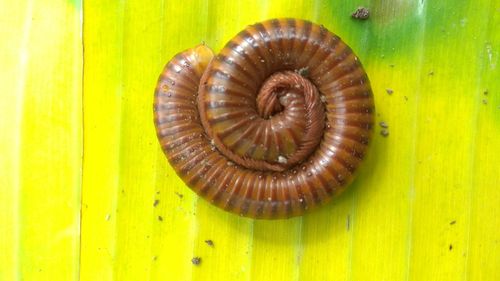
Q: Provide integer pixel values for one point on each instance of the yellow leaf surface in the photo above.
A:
(94, 198)
(40, 140)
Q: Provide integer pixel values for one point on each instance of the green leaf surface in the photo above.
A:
(77, 195)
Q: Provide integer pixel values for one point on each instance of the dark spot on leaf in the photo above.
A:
(361, 13)
(196, 260)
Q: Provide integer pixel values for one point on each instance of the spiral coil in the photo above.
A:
(275, 124)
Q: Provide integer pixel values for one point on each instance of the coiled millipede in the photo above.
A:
(275, 124)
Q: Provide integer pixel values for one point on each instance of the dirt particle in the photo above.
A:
(384, 133)
(304, 71)
(392, 65)
(389, 91)
(160, 218)
(361, 13)
(282, 159)
(450, 247)
(485, 92)
(383, 125)
(179, 194)
(209, 242)
(453, 222)
(156, 203)
(348, 222)
(406, 98)
(431, 73)
(196, 260)
(485, 101)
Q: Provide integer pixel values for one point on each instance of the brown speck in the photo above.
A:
(384, 132)
(391, 65)
(179, 194)
(156, 203)
(383, 125)
(209, 242)
(348, 222)
(406, 98)
(361, 13)
(453, 222)
(155, 258)
(485, 92)
(431, 73)
(485, 101)
(160, 218)
(450, 247)
(196, 260)
(389, 91)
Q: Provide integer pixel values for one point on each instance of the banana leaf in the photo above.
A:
(87, 194)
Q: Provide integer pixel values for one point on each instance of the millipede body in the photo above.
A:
(274, 125)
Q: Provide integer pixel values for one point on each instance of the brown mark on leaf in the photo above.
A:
(383, 125)
(196, 260)
(361, 13)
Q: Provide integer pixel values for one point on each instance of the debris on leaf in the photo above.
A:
(196, 260)
(361, 13)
